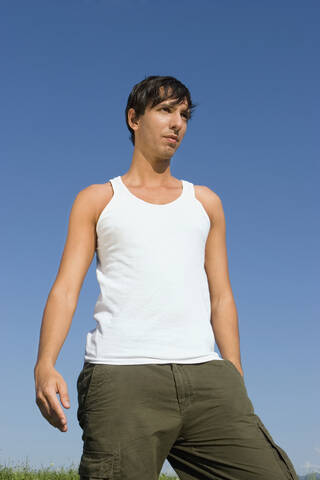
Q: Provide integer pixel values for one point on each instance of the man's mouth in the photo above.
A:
(172, 139)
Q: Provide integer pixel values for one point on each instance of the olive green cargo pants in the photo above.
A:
(197, 416)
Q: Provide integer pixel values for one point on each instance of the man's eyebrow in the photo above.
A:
(171, 104)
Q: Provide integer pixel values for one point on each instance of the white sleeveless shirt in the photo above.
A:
(154, 302)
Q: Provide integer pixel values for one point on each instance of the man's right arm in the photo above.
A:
(61, 304)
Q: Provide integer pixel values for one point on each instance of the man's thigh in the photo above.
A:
(130, 418)
(222, 437)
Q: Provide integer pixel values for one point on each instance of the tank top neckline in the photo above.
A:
(139, 200)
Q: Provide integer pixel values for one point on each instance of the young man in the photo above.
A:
(152, 386)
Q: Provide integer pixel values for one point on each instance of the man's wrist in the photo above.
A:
(44, 363)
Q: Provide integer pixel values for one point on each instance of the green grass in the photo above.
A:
(25, 472)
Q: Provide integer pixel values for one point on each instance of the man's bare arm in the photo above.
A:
(224, 318)
(62, 301)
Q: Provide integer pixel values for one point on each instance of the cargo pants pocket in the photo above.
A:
(280, 455)
(84, 387)
(99, 465)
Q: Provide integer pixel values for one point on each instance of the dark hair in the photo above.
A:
(148, 90)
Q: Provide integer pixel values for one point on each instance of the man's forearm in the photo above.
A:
(224, 321)
(56, 322)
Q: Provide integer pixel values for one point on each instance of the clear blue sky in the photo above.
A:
(67, 69)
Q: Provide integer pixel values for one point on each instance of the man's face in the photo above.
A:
(158, 123)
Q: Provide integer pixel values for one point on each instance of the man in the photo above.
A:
(152, 386)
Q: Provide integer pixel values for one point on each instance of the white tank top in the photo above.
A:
(154, 302)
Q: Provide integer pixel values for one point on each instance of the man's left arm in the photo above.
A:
(224, 317)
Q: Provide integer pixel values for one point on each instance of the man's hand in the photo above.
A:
(239, 369)
(49, 382)
(237, 364)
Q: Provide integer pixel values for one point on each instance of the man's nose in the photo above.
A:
(176, 122)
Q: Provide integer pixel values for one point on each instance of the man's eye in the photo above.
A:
(186, 115)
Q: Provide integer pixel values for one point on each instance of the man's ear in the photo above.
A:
(133, 118)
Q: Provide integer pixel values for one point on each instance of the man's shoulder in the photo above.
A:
(97, 189)
(95, 197)
(210, 200)
(206, 192)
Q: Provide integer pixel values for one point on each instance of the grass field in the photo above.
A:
(25, 472)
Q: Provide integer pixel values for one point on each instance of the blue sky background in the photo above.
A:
(67, 68)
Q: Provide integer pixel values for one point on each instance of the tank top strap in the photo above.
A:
(115, 182)
(189, 189)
